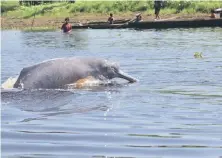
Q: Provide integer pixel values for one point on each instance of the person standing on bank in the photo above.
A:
(157, 6)
(66, 27)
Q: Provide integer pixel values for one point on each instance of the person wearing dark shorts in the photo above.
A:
(157, 6)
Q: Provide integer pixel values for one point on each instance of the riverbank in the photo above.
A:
(45, 22)
(51, 15)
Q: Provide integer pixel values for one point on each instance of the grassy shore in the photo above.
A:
(52, 15)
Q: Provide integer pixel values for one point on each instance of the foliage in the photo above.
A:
(8, 6)
(64, 8)
(198, 55)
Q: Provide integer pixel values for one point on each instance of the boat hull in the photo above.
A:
(159, 24)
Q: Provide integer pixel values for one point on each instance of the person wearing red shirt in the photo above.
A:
(66, 27)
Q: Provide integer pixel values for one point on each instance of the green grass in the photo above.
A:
(59, 9)
(9, 6)
(198, 55)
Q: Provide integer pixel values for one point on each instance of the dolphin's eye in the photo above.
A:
(106, 68)
(113, 69)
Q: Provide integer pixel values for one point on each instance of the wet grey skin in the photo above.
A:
(57, 73)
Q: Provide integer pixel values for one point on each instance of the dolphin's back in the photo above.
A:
(54, 73)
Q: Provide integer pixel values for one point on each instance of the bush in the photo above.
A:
(8, 6)
(62, 8)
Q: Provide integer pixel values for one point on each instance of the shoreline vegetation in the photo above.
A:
(51, 15)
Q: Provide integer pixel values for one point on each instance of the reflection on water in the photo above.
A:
(52, 102)
(78, 39)
(175, 110)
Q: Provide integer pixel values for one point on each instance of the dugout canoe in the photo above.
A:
(101, 26)
(165, 24)
(118, 21)
(159, 24)
(121, 23)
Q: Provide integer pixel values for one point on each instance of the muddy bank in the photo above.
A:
(56, 22)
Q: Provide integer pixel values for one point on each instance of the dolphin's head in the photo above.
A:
(111, 70)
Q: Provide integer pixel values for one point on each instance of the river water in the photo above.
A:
(175, 110)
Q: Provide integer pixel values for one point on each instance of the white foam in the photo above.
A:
(8, 84)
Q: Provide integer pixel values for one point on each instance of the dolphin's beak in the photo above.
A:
(125, 76)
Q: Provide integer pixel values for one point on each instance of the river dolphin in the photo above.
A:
(57, 73)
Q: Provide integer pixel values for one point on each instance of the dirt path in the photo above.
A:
(56, 22)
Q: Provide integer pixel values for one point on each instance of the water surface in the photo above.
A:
(175, 110)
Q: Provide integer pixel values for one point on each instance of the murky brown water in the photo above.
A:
(175, 110)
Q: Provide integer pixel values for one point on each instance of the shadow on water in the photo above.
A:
(42, 104)
(60, 101)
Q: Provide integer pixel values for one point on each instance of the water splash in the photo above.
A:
(8, 84)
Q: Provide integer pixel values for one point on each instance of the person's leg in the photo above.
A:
(156, 13)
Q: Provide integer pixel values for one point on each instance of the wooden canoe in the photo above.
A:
(165, 24)
(159, 24)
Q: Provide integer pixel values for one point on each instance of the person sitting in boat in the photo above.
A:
(218, 12)
(212, 15)
(111, 19)
(66, 27)
(138, 18)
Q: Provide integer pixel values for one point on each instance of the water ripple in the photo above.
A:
(173, 111)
